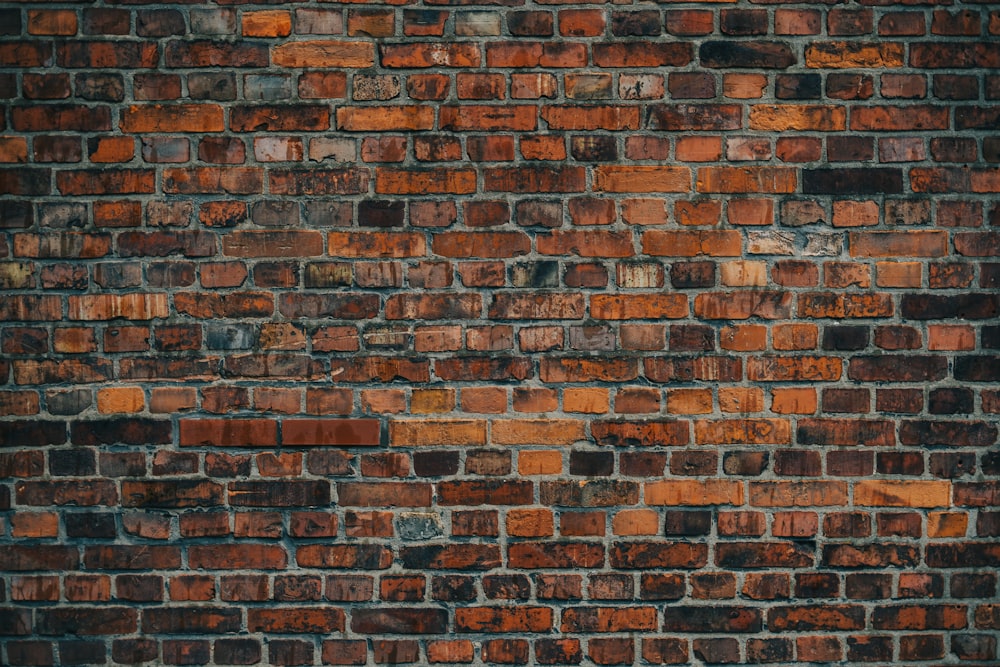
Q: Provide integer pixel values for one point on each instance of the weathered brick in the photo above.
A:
(397, 620)
(541, 361)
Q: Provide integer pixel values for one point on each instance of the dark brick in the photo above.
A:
(859, 181)
(739, 54)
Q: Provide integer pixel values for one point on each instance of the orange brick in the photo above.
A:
(636, 522)
(426, 401)
(120, 399)
(52, 22)
(793, 400)
(743, 273)
(539, 462)
(909, 493)
(777, 180)
(698, 149)
(581, 22)
(172, 399)
(644, 211)
(587, 400)
(898, 274)
(637, 400)
(798, 117)
(324, 54)
(543, 147)
(694, 492)
(795, 336)
(380, 119)
(910, 243)
(383, 401)
(819, 649)
(112, 149)
(487, 400)
(689, 401)
(417, 432)
(536, 399)
(32, 588)
(851, 55)
(277, 399)
(798, 494)
(700, 212)
(947, 524)
(743, 338)
(537, 431)
(74, 340)
(795, 524)
(13, 149)
(450, 651)
(855, 213)
(743, 86)
(642, 179)
(741, 399)
(35, 524)
(951, 337)
(530, 522)
(150, 118)
(755, 212)
(371, 23)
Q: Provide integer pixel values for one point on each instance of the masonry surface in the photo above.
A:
(499, 332)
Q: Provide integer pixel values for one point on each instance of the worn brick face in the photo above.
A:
(493, 332)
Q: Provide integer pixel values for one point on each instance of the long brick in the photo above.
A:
(237, 557)
(503, 619)
(807, 117)
(609, 619)
(180, 620)
(359, 556)
(229, 432)
(296, 620)
(844, 54)
(367, 119)
(297, 493)
(384, 494)
(460, 557)
(486, 118)
(172, 493)
(324, 53)
(316, 182)
(642, 179)
(20, 558)
(156, 118)
(816, 617)
(536, 431)
(87, 621)
(437, 432)
(689, 618)
(326, 432)
(798, 494)
(128, 557)
(657, 555)
(392, 181)
(534, 555)
(399, 620)
(887, 493)
(764, 555)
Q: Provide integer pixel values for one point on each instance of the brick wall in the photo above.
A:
(515, 332)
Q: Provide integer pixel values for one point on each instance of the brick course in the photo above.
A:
(497, 332)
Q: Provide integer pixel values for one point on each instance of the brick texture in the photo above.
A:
(499, 332)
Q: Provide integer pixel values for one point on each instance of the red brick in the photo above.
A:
(154, 118)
